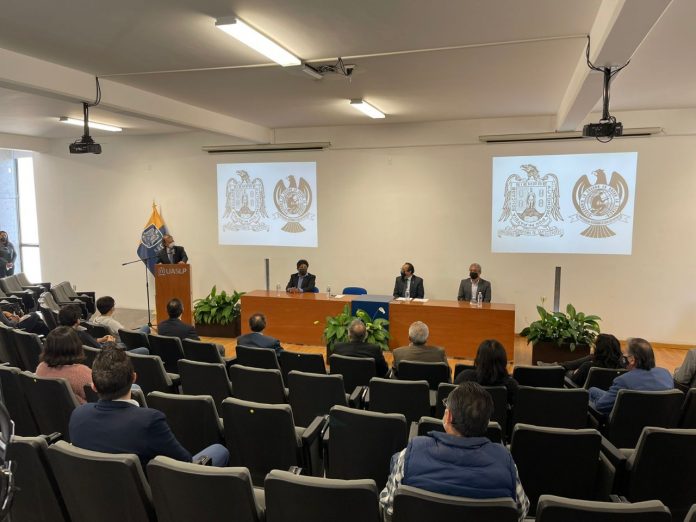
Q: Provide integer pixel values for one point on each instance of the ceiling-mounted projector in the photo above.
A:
(85, 145)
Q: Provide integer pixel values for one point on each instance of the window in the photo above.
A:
(28, 222)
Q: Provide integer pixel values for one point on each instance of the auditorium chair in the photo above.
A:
(62, 299)
(688, 412)
(498, 394)
(257, 385)
(321, 499)
(313, 395)
(301, 362)
(558, 509)
(263, 437)
(136, 395)
(29, 297)
(435, 373)
(8, 350)
(89, 298)
(11, 303)
(562, 462)
(49, 310)
(257, 357)
(51, 402)
(22, 279)
(360, 444)
(101, 486)
(199, 378)
(416, 505)
(37, 497)
(356, 371)
(204, 352)
(29, 348)
(151, 374)
(601, 378)
(552, 407)
(95, 330)
(691, 515)
(133, 339)
(185, 492)
(354, 290)
(539, 376)
(426, 424)
(16, 402)
(168, 349)
(194, 419)
(410, 398)
(90, 354)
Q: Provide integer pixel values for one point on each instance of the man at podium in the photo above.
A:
(171, 253)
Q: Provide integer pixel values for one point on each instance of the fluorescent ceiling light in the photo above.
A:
(260, 43)
(92, 124)
(366, 108)
(311, 71)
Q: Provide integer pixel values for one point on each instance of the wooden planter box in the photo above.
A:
(551, 352)
(234, 329)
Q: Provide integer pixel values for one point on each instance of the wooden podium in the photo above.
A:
(173, 281)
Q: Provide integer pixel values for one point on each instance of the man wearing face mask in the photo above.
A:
(8, 254)
(408, 284)
(171, 253)
(302, 280)
(470, 288)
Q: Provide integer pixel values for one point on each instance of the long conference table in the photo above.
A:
(457, 326)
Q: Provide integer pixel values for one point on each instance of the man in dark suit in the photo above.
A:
(116, 424)
(470, 288)
(255, 339)
(357, 347)
(301, 281)
(175, 327)
(408, 284)
(171, 253)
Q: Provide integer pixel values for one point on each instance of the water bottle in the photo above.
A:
(407, 294)
(328, 291)
(479, 299)
(277, 288)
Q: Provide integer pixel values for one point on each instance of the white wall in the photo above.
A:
(386, 194)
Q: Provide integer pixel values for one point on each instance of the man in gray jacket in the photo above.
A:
(418, 350)
(470, 288)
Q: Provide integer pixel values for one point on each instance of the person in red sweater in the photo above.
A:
(62, 357)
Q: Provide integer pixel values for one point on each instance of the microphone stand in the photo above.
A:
(147, 283)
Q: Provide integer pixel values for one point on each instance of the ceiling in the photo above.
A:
(504, 58)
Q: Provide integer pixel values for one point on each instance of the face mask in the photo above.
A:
(303, 271)
(4, 240)
(403, 274)
(171, 245)
(473, 275)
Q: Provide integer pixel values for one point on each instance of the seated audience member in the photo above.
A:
(470, 288)
(175, 327)
(301, 281)
(461, 462)
(70, 316)
(490, 369)
(642, 376)
(106, 306)
(116, 424)
(408, 284)
(62, 356)
(606, 354)
(256, 339)
(418, 350)
(686, 373)
(357, 347)
(31, 323)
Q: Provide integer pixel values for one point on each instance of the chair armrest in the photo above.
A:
(314, 430)
(53, 437)
(606, 474)
(295, 470)
(617, 499)
(615, 456)
(412, 431)
(597, 419)
(569, 383)
(203, 460)
(91, 295)
(355, 399)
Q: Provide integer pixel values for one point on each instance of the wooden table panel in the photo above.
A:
(457, 326)
(291, 317)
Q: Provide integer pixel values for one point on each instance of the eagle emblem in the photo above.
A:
(531, 206)
(599, 204)
(245, 205)
(293, 203)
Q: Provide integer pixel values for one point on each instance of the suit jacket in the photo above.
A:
(121, 427)
(686, 373)
(179, 255)
(258, 340)
(419, 353)
(657, 379)
(465, 290)
(177, 328)
(364, 350)
(416, 291)
(308, 283)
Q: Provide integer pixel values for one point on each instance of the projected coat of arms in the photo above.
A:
(600, 204)
(245, 204)
(531, 206)
(293, 203)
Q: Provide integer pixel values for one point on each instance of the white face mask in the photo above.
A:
(171, 245)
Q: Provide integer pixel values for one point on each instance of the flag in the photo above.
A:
(151, 238)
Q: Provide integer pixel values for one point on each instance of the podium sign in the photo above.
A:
(173, 281)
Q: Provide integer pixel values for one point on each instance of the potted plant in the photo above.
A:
(218, 314)
(559, 336)
(336, 330)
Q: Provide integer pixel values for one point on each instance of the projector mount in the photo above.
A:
(318, 71)
(86, 144)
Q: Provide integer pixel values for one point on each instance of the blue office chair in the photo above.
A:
(354, 290)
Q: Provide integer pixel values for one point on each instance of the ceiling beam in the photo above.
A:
(27, 74)
(618, 30)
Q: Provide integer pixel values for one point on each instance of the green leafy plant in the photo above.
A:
(571, 327)
(336, 330)
(222, 308)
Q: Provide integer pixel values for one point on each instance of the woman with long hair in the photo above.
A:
(607, 354)
(490, 369)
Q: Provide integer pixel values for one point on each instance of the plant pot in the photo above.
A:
(551, 352)
(231, 330)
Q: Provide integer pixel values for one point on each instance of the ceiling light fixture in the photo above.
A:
(92, 124)
(254, 39)
(366, 108)
(311, 71)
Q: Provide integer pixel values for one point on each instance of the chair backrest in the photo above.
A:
(168, 349)
(539, 376)
(301, 362)
(257, 357)
(313, 394)
(90, 354)
(182, 491)
(433, 372)
(662, 468)
(415, 505)
(410, 398)
(199, 378)
(558, 509)
(691, 515)
(51, 401)
(8, 350)
(151, 373)
(602, 378)
(260, 437)
(356, 371)
(29, 348)
(354, 290)
(426, 424)
(10, 284)
(552, 407)
(688, 414)
(83, 475)
(556, 461)
(21, 277)
(96, 330)
(193, 419)
(49, 317)
(322, 499)
(16, 402)
(372, 436)
(498, 394)
(49, 301)
(633, 410)
(201, 351)
(36, 496)
(257, 384)
(133, 339)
